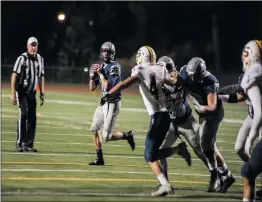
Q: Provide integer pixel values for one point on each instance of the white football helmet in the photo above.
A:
(252, 53)
(145, 54)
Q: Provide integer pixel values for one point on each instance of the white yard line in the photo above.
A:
(88, 134)
(91, 144)
(75, 143)
(86, 194)
(105, 155)
(104, 171)
(41, 126)
(109, 194)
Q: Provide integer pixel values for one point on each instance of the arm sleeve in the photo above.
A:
(235, 88)
(19, 64)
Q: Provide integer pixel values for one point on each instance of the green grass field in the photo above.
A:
(60, 171)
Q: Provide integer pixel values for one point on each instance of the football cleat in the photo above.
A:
(158, 186)
(163, 190)
(130, 140)
(19, 148)
(29, 149)
(97, 162)
(226, 184)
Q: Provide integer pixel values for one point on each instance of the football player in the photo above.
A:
(252, 86)
(202, 87)
(233, 94)
(151, 76)
(109, 75)
(182, 120)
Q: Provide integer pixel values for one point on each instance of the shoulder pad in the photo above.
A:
(206, 73)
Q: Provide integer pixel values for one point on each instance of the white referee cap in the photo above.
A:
(32, 40)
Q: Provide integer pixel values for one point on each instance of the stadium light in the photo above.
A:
(91, 22)
(61, 17)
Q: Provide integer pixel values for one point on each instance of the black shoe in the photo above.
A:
(184, 153)
(130, 140)
(226, 184)
(97, 162)
(214, 181)
(29, 149)
(19, 148)
(259, 194)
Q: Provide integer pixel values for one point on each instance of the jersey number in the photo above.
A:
(153, 88)
(176, 109)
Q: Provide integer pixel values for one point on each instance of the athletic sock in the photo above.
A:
(162, 179)
(99, 153)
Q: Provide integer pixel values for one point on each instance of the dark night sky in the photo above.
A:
(238, 23)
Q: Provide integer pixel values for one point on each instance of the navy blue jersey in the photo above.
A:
(177, 105)
(112, 72)
(200, 90)
(250, 106)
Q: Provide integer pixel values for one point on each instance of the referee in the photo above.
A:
(28, 72)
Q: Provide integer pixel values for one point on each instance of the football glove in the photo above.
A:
(104, 99)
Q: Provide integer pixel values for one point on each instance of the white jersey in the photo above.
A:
(152, 78)
(252, 76)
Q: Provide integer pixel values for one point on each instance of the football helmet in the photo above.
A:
(196, 68)
(107, 52)
(251, 53)
(170, 65)
(145, 54)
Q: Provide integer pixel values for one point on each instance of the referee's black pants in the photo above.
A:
(26, 125)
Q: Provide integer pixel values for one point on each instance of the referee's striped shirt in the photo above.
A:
(29, 69)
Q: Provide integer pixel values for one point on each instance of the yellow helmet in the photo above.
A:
(145, 54)
(252, 53)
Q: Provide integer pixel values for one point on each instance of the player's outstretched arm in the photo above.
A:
(234, 88)
(119, 87)
(232, 98)
(124, 84)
